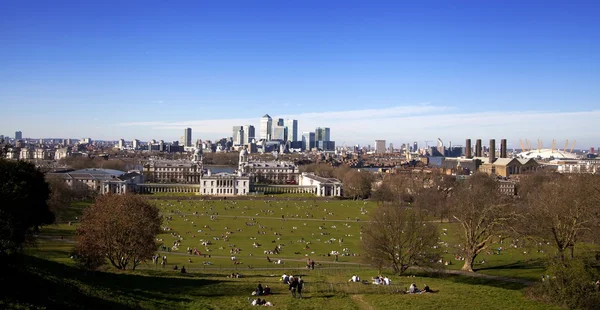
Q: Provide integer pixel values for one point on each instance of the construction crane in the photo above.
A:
(553, 145)
(573, 147)
(566, 145)
(522, 145)
(427, 143)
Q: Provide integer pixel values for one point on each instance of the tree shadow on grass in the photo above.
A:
(33, 282)
(472, 280)
(530, 264)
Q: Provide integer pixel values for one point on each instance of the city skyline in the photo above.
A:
(399, 72)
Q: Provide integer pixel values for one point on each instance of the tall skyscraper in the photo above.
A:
(280, 122)
(121, 144)
(279, 133)
(322, 134)
(266, 127)
(238, 135)
(415, 146)
(308, 141)
(187, 137)
(249, 134)
(292, 130)
(18, 135)
(136, 144)
(379, 146)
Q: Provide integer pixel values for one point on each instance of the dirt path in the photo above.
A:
(361, 302)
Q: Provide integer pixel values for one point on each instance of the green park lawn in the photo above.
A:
(309, 228)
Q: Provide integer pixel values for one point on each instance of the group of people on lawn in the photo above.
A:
(384, 280)
(295, 286)
(378, 280)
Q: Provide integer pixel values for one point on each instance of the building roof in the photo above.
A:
(547, 154)
(321, 179)
(266, 116)
(504, 161)
(90, 174)
(484, 160)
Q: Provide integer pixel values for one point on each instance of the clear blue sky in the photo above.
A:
(91, 68)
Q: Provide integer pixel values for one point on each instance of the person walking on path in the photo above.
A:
(300, 286)
(294, 286)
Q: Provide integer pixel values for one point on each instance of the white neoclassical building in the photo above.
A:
(324, 187)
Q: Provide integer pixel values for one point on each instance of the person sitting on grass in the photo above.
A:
(175, 267)
(413, 289)
(426, 289)
(183, 269)
(259, 290)
(267, 290)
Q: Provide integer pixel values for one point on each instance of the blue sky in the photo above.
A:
(399, 70)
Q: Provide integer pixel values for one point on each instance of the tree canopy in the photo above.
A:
(120, 228)
(23, 204)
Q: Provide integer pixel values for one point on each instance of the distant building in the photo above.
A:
(249, 134)
(121, 144)
(100, 180)
(325, 187)
(308, 141)
(136, 144)
(266, 126)
(187, 137)
(238, 135)
(322, 134)
(18, 135)
(379, 146)
(292, 130)
(279, 133)
(327, 146)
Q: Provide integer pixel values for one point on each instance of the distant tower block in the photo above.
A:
(503, 151)
(468, 148)
(478, 148)
(492, 150)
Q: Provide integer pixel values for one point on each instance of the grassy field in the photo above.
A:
(302, 228)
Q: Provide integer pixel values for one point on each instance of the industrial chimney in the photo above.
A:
(492, 150)
(468, 148)
(478, 148)
(503, 149)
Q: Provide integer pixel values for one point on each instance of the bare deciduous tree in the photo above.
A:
(562, 209)
(482, 212)
(123, 228)
(399, 237)
(357, 184)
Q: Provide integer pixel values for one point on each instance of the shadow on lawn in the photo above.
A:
(34, 282)
(530, 264)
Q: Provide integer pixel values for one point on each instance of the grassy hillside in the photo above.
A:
(308, 228)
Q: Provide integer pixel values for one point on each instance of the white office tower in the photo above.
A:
(292, 130)
(249, 134)
(121, 144)
(238, 135)
(266, 127)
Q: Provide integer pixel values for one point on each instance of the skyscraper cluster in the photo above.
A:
(270, 130)
(319, 139)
